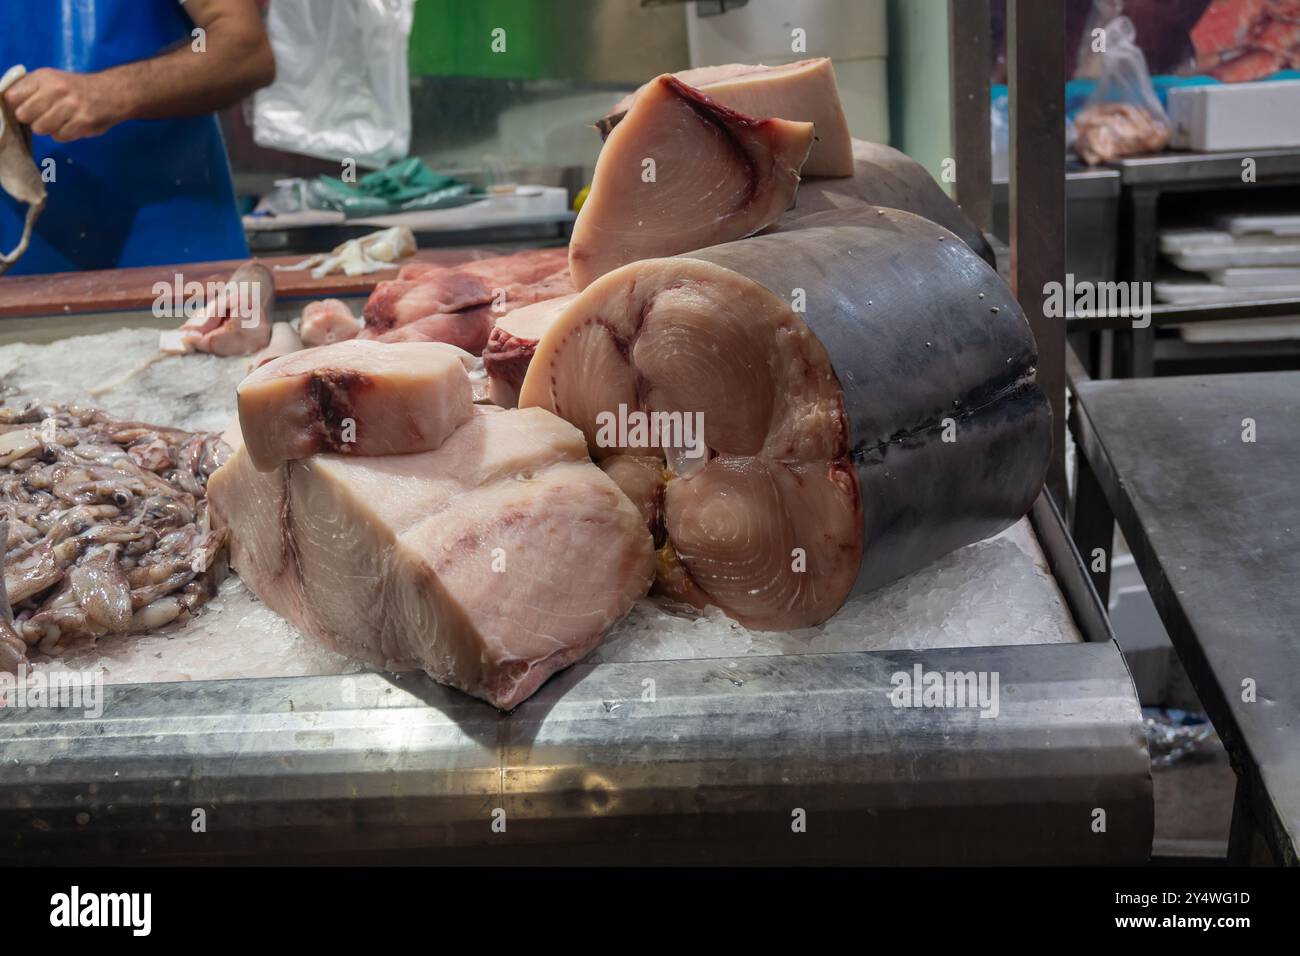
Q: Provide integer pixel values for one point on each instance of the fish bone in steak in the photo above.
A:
(354, 397)
(490, 563)
(681, 172)
(867, 393)
(805, 91)
(883, 176)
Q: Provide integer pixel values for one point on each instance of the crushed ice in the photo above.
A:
(997, 591)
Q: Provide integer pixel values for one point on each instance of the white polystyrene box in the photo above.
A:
(1236, 116)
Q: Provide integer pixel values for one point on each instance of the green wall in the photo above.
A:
(452, 37)
(918, 81)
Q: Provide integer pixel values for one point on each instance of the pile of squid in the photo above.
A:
(104, 527)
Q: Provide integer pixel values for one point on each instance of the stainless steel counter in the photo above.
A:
(1171, 168)
(1211, 518)
(762, 758)
(717, 767)
(710, 759)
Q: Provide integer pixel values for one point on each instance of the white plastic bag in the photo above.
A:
(1123, 116)
(1124, 74)
(341, 89)
(1089, 60)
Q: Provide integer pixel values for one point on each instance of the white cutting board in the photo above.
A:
(1208, 293)
(1247, 278)
(1201, 250)
(1277, 224)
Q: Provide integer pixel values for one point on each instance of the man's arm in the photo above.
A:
(236, 60)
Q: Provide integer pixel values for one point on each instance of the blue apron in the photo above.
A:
(150, 192)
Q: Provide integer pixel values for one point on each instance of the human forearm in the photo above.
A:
(185, 82)
(231, 58)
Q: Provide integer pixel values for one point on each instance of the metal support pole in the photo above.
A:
(970, 60)
(1036, 61)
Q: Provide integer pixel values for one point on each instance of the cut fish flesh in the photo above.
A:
(530, 265)
(237, 320)
(466, 330)
(643, 479)
(357, 397)
(865, 390)
(883, 176)
(680, 172)
(460, 308)
(805, 91)
(421, 270)
(400, 302)
(491, 563)
(519, 294)
(511, 345)
(284, 340)
(19, 176)
(478, 380)
(326, 322)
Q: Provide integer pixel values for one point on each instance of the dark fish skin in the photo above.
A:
(923, 429)
(100, 519)
(885, 177)
(967, 357)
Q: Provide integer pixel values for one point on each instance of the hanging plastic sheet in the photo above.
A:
(342, 85)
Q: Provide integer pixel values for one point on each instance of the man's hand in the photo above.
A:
(234, 60)
(66, 106)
